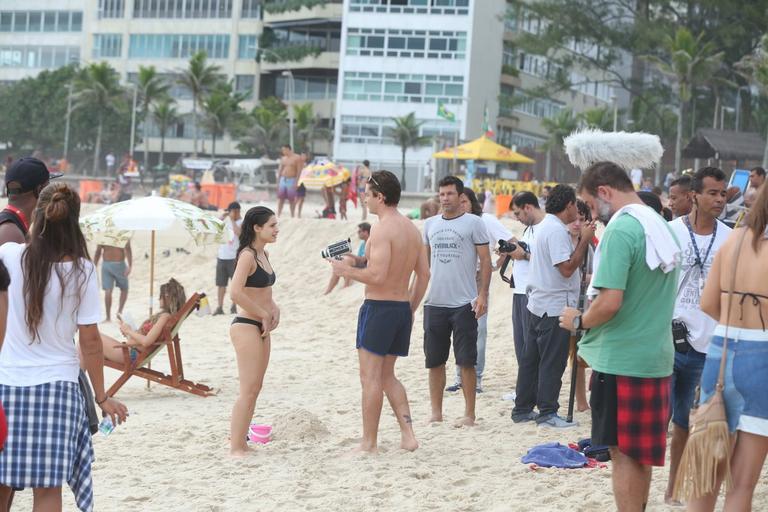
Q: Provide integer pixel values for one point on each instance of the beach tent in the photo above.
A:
(483, 149)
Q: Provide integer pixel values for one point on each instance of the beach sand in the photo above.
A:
(172, 454)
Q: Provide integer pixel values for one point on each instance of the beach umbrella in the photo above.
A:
(176, 221)
(323, 173)
(483, 149)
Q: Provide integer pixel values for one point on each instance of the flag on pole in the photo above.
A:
(487, 130)
(444, 112)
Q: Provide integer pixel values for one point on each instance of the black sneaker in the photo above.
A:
(454, 388)
(218, 311)
(233, 309)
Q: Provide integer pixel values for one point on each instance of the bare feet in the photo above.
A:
(364, 450)
(409, 443)
(466, 421)
(669, 500)
(436, 418)
(241, 452)
(582, 407)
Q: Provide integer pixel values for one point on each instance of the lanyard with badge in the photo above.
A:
(699, 261)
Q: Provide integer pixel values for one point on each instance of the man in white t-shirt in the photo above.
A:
(455, 240)
(700, 235)
(526, 209)
(554, 284)
(227, 256)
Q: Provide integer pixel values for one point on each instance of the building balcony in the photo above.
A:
(300, 57)
(301, 12)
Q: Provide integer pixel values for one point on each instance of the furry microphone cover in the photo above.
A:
(628, 150)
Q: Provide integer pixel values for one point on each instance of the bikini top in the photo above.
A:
(756, 301)
(260, 278)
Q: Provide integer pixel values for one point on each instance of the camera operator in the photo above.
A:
(701, 235)
(554, 283)
(525, 207)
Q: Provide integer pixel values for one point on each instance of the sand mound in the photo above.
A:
(299, 425)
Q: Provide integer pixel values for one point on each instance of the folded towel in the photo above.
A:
(661, 248)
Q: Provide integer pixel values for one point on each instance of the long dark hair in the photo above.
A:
(256, 216)
(476, 207)
(757, 219)
(54, 237)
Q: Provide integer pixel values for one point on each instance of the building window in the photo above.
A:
(177, 46)
(431, 44)
(43, 57)
(307, 87)
(251, 9)
(327, 40)
(107, 46)
(509, 137)
(403, 88)
(244, 84)
(376, 130)
(41, 21)
(593, 88)
(535, 107)
(460, 7)
(111, 8)
(176, 91)
(182, 9)
(246, 47)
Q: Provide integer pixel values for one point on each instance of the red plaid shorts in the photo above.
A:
(631, 413)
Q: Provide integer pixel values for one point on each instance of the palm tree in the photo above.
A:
(558, 128)
(406, 135)
(269, 129)
(308, 127)
(597, 118)
(691, 62)
(222, 110)
(98, 87)
(164, 114)
(199, 77)
(152, 88)
(754, 67)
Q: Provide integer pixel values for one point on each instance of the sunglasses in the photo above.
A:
(371, 179)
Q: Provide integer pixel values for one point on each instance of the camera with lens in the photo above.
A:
(505, 246)
(337, 250)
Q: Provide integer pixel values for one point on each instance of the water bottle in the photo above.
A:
(106, 426)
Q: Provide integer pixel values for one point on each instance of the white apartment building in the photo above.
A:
(405, 56)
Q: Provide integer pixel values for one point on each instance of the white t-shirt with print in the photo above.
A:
(52, 357)
(228, 251)
(691, 281)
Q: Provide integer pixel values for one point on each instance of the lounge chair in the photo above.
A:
(169, 339)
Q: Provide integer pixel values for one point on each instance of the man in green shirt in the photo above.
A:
(629, 342)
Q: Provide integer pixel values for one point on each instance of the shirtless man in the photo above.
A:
(114, 270)
(394, 251)
(287, 176)
(199, 198)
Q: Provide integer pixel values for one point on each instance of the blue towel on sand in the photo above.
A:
(554, 455)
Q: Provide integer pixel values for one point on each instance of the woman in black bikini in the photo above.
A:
(251, 289)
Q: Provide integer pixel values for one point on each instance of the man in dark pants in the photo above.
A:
(553, 284)
(525, 207)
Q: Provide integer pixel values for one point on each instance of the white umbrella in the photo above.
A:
(178, 221)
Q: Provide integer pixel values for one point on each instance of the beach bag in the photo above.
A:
(90, 405)
(709, 440)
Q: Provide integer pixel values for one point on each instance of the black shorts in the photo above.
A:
(384, 327)
(439, 324)
(225, 269)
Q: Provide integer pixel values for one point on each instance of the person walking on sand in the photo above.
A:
(287, 176)
(363, 172)
(455, 240)
(53, 295)
(251, 289)
(227, 255)
(115, 270)
(628, 339)
(394, 252)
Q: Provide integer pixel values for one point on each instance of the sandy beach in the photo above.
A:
(172, 454)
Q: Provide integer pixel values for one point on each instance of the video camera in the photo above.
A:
(507, 247)
(337, 250)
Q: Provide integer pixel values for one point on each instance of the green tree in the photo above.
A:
(754, 67)
(597, 118)
(558, 128)
(222, 111)
(164, 114)
(308, 128)
(267, 129)
(691, 62)
(151, 88)
(199, 78)
(98, 87)
(406, 134)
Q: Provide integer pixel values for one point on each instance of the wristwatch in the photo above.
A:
(577, 324)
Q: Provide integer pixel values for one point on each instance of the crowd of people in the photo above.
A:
(667, 302)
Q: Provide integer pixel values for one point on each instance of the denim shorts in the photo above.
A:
(685, 377)
(746, 377)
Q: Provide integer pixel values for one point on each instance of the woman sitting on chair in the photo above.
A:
(172, 299)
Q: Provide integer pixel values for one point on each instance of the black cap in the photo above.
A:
(26, 174)
(234, 205)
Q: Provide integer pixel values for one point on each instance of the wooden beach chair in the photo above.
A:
(169, 339)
